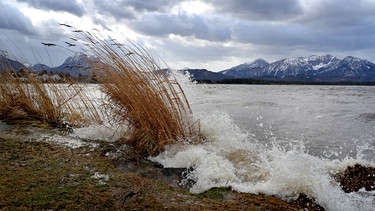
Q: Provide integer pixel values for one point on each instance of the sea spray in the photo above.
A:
(232, 158)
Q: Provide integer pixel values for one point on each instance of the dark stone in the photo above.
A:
(174, 171)
(357, 177)
(307, 203)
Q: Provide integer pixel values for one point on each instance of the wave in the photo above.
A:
(367, 117)
(231, 157)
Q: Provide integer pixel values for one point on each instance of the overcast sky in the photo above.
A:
(211, 34)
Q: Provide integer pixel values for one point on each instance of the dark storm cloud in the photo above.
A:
(182, 24)
(335, 24)
(303, 37)
(341, 24)
(114, 8)
(261, 33)
(338, 13)
(70, 6)
(259, 9)
(11, 18)
(151, 6)
(130, 9)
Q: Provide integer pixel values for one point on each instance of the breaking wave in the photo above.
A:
(233, 158)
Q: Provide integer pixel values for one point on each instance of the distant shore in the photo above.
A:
(286, 82)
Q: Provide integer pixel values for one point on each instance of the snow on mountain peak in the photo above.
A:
(257, 63)
(319, 62)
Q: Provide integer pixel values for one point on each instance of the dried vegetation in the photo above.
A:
(27, 98)
(143, 97)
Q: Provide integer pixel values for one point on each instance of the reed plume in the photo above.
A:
(146, 98)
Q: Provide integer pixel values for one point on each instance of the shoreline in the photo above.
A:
(45, 175)
(99, 175)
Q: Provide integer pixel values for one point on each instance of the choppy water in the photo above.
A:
(332, 121)
(280, 140)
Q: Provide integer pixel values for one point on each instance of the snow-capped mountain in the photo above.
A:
(351, 67)
(256, 68)
(300, 65)
(314, 68)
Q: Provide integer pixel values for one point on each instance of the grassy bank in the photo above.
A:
(43, 176)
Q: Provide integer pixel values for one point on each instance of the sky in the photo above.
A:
(210, 34)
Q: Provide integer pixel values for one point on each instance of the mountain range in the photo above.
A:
(314, 68)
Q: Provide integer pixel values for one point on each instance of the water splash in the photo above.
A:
(233, 158)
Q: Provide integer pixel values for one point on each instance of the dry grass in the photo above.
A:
(26, 98)
(146, 98)
(142, 96)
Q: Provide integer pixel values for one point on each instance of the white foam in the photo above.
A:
(99, 132)
(232, 158)
(63, 140)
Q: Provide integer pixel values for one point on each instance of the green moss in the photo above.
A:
(215, 193)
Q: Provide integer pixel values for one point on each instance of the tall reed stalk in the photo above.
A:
(146, 98)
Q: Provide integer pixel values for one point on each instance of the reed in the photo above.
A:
(144, 97)
(26, 98)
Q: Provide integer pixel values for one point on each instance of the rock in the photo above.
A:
(357, 177)
(307, 203)
(179, 175)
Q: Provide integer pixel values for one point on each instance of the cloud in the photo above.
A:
(182, 24)
(180, 52)
(204, 32)
(69, 6)
(262, 33)
(130, 9)
(115, 9)
(300, 36)
(50, 30)
(259, 9)
(11, 18)
(151, 6)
